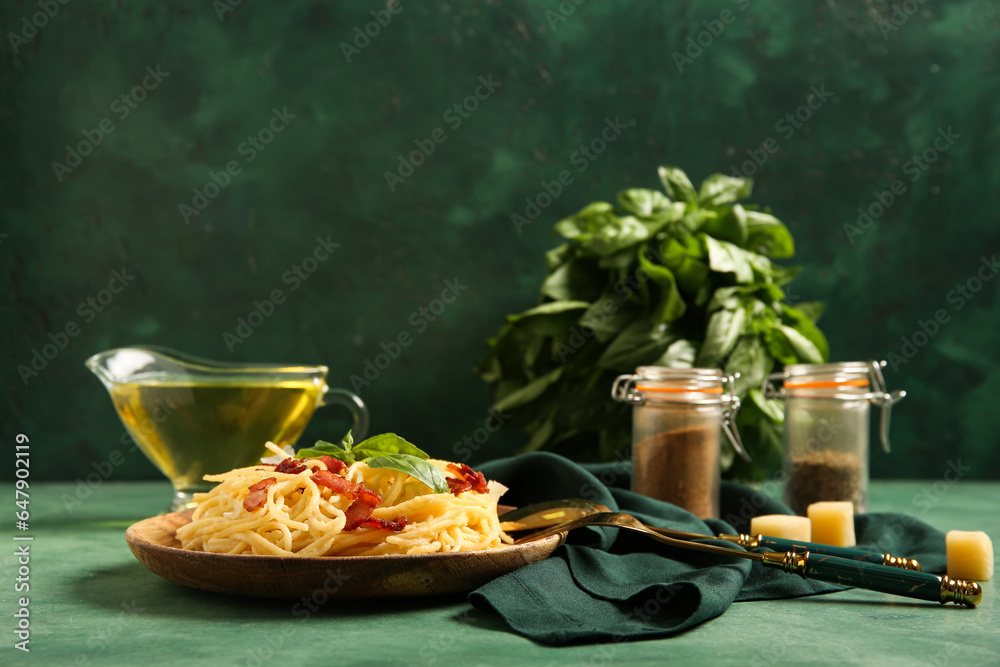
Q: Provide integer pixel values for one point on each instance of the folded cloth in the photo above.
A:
(608, 585)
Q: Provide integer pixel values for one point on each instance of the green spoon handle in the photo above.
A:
(850, 553)
(871, 576)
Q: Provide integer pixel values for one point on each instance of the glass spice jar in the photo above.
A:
(678, 417)
(826, 429)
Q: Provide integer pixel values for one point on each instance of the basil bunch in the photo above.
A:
(387, 450)
(680, 279)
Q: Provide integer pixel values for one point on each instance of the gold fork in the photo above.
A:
(557, 511)
(860, 574)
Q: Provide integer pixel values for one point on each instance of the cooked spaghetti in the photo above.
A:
(321, 507)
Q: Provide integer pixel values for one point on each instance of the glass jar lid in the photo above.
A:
(689, 386)
(844, 381)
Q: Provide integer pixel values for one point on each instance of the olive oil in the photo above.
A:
(193, 428)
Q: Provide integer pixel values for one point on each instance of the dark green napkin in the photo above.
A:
(607, 585)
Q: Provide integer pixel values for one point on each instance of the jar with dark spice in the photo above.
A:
(678, 417)
(826, 429)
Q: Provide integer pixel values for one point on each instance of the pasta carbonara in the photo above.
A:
(321, 507)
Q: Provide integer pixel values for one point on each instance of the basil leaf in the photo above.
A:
(677, 184)
(780, 347)
(387, 444)
(768, 236)
(642, 202)
(600, 231)
(641, 343)
(573, 281)
(771, 407)
(719, 189)
(813, 310)
(528, 392)
(804, 325)
(324, 448)
(684, 260)
(413, 466)
(550, 308)
(670, 305)
(609, 314)
(558, 256)
(680, 354)
(750, 359)
(730, 226)
(804, 348)
(725, 257)
(724, 328)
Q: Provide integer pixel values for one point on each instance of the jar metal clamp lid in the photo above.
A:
(688, 386)
(846, 381)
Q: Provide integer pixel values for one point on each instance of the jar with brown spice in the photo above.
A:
(826, 429)
(678, 417)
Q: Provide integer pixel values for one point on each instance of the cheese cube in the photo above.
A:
(970, 555)
(786, 526)
(832, 523)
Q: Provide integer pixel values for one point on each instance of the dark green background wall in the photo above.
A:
(884, 86)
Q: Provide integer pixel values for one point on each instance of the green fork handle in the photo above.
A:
(893, 580)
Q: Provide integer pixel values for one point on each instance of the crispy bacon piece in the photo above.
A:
(357, 513)
(257, 497)
(366, 495)
(457, 486)
(395, 525)
(332, 464)
(334, 482)
(291, 466)
(468, 479)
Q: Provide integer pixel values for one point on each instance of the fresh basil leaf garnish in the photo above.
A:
(386, 450)
(343, 452)
(385, 444)
(324, 448)
(413, 466)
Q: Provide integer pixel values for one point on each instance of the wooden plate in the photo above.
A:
(153, 542)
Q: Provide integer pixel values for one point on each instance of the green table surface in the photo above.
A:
(92, 603)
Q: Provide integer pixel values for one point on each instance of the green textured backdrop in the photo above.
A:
(701, 85)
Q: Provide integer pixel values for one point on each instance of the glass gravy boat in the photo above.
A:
(192, 417)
